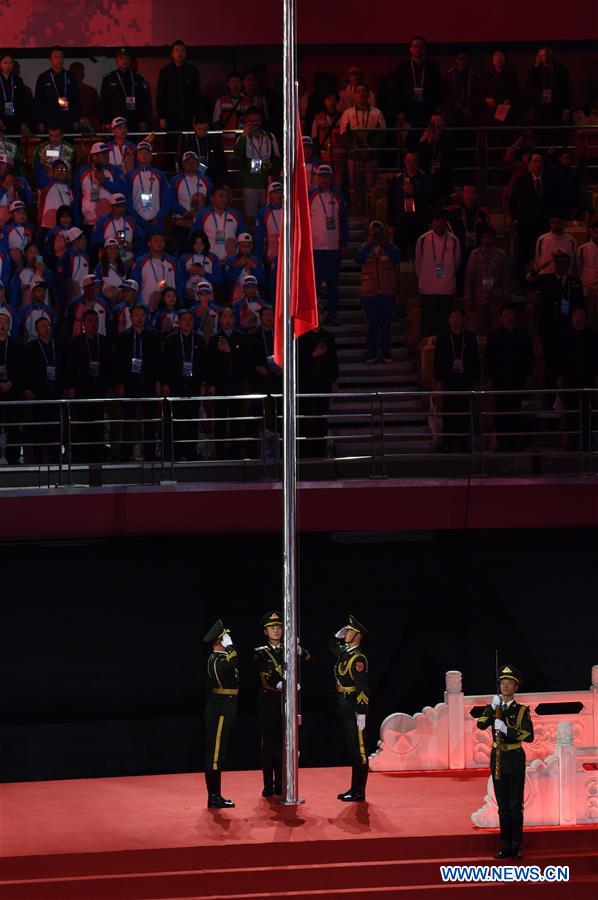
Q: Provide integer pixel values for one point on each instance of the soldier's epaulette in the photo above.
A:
(255, 649)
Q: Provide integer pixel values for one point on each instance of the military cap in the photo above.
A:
(509, 672)
(354, 625)
(271, 618)
(216, 632)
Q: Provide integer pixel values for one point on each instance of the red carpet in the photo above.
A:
(153, 838)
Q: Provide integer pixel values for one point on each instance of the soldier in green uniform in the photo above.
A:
(512, 725)
(221, 708)
(269, 659)
(351, 677)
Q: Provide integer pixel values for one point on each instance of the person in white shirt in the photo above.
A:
(55, 194)
(330, 233)
(437, 258)
(362, 130)
(547, 244)
(587, 269)
(347, 95)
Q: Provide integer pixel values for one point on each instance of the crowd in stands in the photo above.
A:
(118, 280)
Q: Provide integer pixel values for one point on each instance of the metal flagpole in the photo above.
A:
(289, 479)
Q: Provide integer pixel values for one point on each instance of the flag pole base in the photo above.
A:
(297, 802)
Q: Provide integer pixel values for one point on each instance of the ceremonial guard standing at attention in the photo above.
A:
(351, 677)
(269, 659)
(221, 708)
(512, 724)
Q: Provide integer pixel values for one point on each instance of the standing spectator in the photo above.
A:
(73, 266)
(467, 220)
(57, 193)
(559, 293)
(326, 133)
(17, 232)
(252, 99)
(267, 234)
(587, 267)
(409, 203)
(378, 259)
(122, 227)
(178, 91)
(147, 189)
(205, 311)
(419, 86)
(137, 374)
(10, 386)
(111, 270)
(570, 190)
(89, 97)
(260, 160)
(312, 163)
(121, 151)
(456, 368)
(461, 91)
(487, 282)
(57, 101)
(273, 108)
(436, 153)
(154, 271)
(189, 193)
(95, 185)
(265, 375)
(228, 375)
(243, 263)
(31, 312)
(547, 245)
(229, 111)
(198, 263)
(501, 92)
(88, 375)
(249, 305)
(184, 374)
(532, 198)
(48, 152)
(318, 374)
(43, 379)
(90, 298)
(165, 318)
(121, 312)
(363, 128)
(208, 147)
(13, 100)
(550, 88)
(330, 234)
(8, 310)
(221, 223)
(28, 274)
(347, 96)
(437, 258)
(578, 368)
(508, 363)
(125, 94)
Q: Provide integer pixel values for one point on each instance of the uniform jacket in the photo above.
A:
(47, 92)
(518, 721)
(222, 684)
(116, 87)
(351, 676)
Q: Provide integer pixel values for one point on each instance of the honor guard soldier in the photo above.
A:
(512, 725)
(269, 659)
(221, 708)
(351, 677)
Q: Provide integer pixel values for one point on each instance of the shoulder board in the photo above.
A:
(255, 649)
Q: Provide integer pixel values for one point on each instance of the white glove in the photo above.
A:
(226, 640)
(341, 633)
(279, 686)
(499, 725)
(360, 721)
(496, 701)
(299, 650)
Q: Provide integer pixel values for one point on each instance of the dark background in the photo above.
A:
(103, 665)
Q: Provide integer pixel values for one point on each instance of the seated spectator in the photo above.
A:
(184, 374)
(111, 270)
(436, 153)
(17, 232)
(154, 271)
(267, 234)
(57, 101)
(165, 319)
(208, 147)
(326, 133)
(260, 159)
(12, 188)
(378, 259)
(56, 194)
(229, 111)
(437, 259)
(467, 220)
(147, 190)
(13, 102)
(548, 244)
(419, 86)
(29, 272)
(312, 163)
(89, 98)
(221, 223)
(43, 379)
(487, 282)
(532, 198)
(198, 263)
(88, 375)
(330, 234)
(8, 148)
(410, 195)
(228, 375)
(243, 263)
(206, 311)
(90, 299)
(550, 88)
(249, 305)
(8, 310)
(317, 359)
(456, 368)
(501, 93)
(10, 385)
(122, 227)
(508, 363)
(577, 368)
(587, 268)
(121, 312)
(178, 91)
(363, 129)
(48, 152)
(189, 192)
(95, 184)
(461, 91)
(29, 314)
(121, 151)
(347, 96)
(125, 94)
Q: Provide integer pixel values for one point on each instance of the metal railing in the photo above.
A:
(340, 435)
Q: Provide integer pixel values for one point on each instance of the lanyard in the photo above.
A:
(12, 89)
(23, 236)
(116, 230)
(151, 184)
(259, 149)
(462, 345)
(364, 112)
(54, 83)
(217, 227)
(423, 74)
(77, 265)
(156, 279)
(443, 247)
(62, 200)
(198, 147)
(332, 202)
(137, 346)
(52, 355)
(132, 94)
(183, 354)
(187, 185)
(275, 222)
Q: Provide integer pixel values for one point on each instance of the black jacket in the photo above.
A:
(509, 359)
(140, 384)
(429, 79)
(195, 351)
(47, 92)
(178, 96)
(423, 190)
(317, 374)
(260, 345)
(13, 93)
(81, 373)
(11, 357)
(553, 313)
(529, 208)
(228, 372)
(116, 87)
(555, 79)
(465, 346)
(36, 359)
(578, 357)
(211, 154)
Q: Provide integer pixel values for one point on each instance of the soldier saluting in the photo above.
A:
(351, 677)
(221, 708)
(269, 659)
(512, 725)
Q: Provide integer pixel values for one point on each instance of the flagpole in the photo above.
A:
(289, 479)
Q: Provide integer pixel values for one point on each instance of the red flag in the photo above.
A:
(304, 299)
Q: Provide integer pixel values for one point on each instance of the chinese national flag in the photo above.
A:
(304, 300)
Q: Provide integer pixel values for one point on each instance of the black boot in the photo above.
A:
(357, 791)
(215, 798)
(516, 837)
(268, 782)
(505, 838)
(277, 778)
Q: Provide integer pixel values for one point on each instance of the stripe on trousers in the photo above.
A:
(217, 744)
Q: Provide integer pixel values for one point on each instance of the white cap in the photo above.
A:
(111, 242)
(203, 286)
(145, 145)
(249, 279)
(190, 154)
(17, 204)
(71, 234)
(118, 120)
(276, 186)
(307, 140)
(118, 200)
(324, 170)
(5, 159)
(99, 147)
(130, 284)
(245, 236)
(90, 279)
